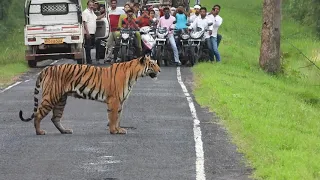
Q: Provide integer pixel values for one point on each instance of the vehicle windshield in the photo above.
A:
(43, 12)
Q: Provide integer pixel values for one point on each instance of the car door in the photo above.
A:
(103, 28)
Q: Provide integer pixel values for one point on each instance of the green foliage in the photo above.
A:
(304, 11)
(274, 120)
(12, 42)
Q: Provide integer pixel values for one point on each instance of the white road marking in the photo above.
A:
(54, 62)
(11, 86)
(200, 172)
(27, 80)
(50, 64)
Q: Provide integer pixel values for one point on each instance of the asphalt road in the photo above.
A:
(160, 144)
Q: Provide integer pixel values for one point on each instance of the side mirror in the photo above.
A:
(210, 23)
(188, 24)
(174, 22)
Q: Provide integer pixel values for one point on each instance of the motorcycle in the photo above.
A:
(163, 50)
(195, 43)
(148, 39)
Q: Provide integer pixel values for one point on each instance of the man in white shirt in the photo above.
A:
(194, 15)
(217, 21)
(203, 22)
(89, 20)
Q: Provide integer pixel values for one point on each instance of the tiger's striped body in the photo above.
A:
(110, 85)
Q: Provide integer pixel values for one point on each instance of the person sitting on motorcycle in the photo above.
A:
(144, 19)
(153, 17)
(181, 15)
(202, 22)
(129, 22)
(167, 21)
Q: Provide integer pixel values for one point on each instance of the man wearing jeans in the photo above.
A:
(167, 22)
(217, 21)
(90, 27)
(203, 22)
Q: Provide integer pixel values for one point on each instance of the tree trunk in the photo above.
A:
(270, 36)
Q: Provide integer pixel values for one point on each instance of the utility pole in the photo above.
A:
(270, 36)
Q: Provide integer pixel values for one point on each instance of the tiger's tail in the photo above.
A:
(36, 99)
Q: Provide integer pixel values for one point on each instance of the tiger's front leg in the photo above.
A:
(114, 112)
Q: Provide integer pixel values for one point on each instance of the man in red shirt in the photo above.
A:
(129, 22)
(114, 15)
(144, 19)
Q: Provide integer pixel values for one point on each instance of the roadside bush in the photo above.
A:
(306, 12)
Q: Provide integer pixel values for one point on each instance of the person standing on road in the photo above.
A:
(217, 21)
(90, 27)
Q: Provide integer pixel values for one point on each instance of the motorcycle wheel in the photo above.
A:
(123, 52)
(198, 54)
(192, 56)
(159, 57)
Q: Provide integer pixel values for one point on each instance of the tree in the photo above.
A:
(270, 36)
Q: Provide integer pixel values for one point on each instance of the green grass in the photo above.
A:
(12, 62)
(273, 119)
(12, 47)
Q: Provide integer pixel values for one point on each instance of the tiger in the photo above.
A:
(110, 85)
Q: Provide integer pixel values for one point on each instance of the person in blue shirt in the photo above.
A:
(181, 17)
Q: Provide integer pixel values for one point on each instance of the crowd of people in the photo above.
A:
(134, 16)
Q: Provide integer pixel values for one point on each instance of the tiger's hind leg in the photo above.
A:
(57, 114)
(114, 112)
(42, 111)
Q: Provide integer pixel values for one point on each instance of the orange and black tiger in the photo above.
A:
(110, 85)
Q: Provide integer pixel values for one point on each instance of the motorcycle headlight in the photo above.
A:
(145, 29)
(125, 36)
(161, 35)
(196, 35)
(185, 36)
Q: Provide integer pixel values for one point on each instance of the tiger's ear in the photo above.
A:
(142, 60)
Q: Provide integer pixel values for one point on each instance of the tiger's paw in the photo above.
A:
(67, 131)
(119, 131)
(41, 132)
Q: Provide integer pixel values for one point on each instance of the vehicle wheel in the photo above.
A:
(159, 57)
(123, 52)
(192, 56)
(83, 60)
(32, 63)
(115, 54)
(197, 53)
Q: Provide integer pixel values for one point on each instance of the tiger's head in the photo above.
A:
(151, 67)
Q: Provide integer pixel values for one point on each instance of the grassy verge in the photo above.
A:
(274, 120)
(12, 47)
(12, 61)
